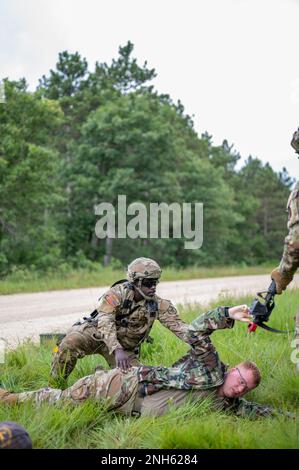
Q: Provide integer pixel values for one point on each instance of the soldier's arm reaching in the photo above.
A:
(221, 317)
(169, 317)
(203, 325)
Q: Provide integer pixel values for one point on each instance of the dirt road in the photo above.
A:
(28, 315)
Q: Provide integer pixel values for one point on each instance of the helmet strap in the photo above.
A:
(138, 288)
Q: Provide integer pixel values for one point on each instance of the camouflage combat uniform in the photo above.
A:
(121, 323)
(149, 390)
(289, 263)
(290, 258)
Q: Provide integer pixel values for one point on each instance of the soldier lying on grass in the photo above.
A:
(149, 390)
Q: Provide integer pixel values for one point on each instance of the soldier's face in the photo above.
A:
(148, 286)
(238, 382)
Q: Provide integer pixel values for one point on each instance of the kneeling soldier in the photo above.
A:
(121, 322)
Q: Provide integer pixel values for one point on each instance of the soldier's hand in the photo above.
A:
(281, 282)
(122, 360)
(240, 312)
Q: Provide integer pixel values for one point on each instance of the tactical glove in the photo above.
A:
(281, 282)
(295, 140)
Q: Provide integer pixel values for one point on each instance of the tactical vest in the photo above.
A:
(127, 309)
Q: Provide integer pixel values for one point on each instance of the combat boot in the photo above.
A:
(8, 397)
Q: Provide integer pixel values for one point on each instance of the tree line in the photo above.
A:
(84, 137)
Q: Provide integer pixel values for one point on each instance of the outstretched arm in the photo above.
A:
(252, 410)
(222, 317)
(168, 316)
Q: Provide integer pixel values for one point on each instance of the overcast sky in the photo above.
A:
(234, 64)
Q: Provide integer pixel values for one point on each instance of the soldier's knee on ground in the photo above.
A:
(8, 397)
(65, 358)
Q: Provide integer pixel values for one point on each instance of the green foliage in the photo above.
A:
(85, 137)
(89, 425)
(29, 233)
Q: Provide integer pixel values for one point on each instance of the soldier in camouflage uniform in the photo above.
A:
(150, 390)
(289, 263)
(121, 322)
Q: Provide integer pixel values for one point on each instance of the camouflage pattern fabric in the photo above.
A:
(115, 389)
(196, 375)
(193, 377)
(290, 258)
(161, 402)
(142, 268)
(121, 326)
(121, 323)
(244, 408)
(295, 140)
(201, 368)
(80, 341)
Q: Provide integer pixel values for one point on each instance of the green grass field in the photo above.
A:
(88, 425)
(28, 281)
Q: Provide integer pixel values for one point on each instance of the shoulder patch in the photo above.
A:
(112, 299)
(163, 304)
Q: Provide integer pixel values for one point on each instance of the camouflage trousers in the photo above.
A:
(81, 340)
(114, 388)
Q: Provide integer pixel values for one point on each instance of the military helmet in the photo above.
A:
(14, 436)
(142, 268)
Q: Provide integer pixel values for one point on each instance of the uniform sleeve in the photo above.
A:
(109, 305)
(248, 409)
(203, 326)
(169, 317)
(290, 258)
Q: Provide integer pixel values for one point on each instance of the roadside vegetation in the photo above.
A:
(89, 425)
(22, 280)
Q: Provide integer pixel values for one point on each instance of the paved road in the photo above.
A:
(28, 315)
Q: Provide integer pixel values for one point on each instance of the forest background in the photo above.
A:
(84, 137)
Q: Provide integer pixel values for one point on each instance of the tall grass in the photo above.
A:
(22, 280)
(89, 425)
